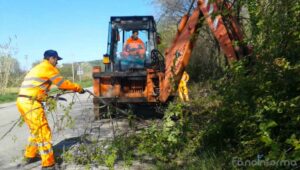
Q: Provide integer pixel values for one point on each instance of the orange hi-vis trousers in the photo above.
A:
(34, 116)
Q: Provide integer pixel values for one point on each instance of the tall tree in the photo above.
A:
(8, 64)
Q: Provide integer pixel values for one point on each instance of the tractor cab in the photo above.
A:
(127, 52)
(130, 75)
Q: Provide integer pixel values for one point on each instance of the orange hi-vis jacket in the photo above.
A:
(33, 90)
(133, 45)
(38, 81)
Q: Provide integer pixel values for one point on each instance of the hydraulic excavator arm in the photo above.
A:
(225, 29)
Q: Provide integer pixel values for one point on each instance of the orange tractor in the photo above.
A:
(150, 77)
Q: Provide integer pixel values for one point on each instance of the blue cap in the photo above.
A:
(51, 53)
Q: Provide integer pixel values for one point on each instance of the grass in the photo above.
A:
(9, 97)
(86, 83)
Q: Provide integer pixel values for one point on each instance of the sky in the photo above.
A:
(76, 29)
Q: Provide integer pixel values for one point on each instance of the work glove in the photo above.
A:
(81, 91)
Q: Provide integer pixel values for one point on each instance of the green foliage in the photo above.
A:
(167, 32)
(260, 102)
(251, 112)
(263, 104)
(106, 152)
(8, 97)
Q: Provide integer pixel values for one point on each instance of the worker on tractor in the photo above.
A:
(133, 53)
(134, 46)
(33, 92)
(182, 89)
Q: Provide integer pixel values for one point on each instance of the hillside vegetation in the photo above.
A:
(249, 111)
(241, 117)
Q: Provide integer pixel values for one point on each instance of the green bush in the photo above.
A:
(251, 113)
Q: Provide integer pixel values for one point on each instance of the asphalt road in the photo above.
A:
(64, 134)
